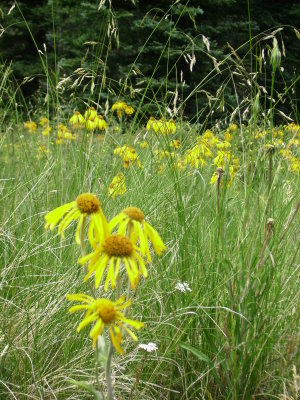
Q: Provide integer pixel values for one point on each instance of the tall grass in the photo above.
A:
(233, 336)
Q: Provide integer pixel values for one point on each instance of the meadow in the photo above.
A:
(219, 304)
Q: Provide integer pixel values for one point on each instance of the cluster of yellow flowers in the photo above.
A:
(118, 246)
(122, 108)
(129, 155)
(90, 121)
(161, 126)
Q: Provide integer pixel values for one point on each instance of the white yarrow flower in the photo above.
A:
(183, 287)
(150, 347)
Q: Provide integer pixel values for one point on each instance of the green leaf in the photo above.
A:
(203, 357)
(88, 387)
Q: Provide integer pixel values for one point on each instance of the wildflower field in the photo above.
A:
(149, 251)
(213, 285)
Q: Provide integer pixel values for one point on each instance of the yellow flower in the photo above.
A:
(85, 205)
(30, 126)
(46, 131)
(132, 220)
(115, 251)
(143, 144)
(91, 124)
(131, 157)
(294, 165)
(90, 113)
(77, 120)
(100, 123)
(233, 127)
(150, 124)
(175, 143)
(208, 134)
(161, 126)
(121, 107)
(129, 110)
(43, 121)
(105, 312)
(117, 186)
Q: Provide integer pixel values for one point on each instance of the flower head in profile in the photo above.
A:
(115, 252)
(77, 120)
(90, 113)
(86, 205)
(131, 221)
(100, 123)
(105, 313)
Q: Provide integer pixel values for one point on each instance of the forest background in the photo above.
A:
(149, 51)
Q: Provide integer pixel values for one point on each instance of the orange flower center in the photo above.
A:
(118, 246)
(106, 310)
(88, 203)
(134, 213)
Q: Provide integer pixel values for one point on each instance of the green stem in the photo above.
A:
(110, 392)
(271, 99)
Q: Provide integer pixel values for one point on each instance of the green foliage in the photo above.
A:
(149, 50)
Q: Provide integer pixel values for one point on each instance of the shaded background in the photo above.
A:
(151, 51)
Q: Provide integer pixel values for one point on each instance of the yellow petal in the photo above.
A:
(136, 324)
(79, 307)
(87, 320)
(78, 230)
(97, 329)
(80, 297)
(115, 221)
(115, 342)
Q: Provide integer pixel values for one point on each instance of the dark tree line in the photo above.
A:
(155, 52)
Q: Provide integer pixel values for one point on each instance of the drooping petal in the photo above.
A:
(115, 342)
(55, 215)
(71, 216)
(136, 324)
(143, 269)
(79, 307)
(155, 239)
(100, 270)
(80, 297)
(133, 278)
(78, 230)
(87, 320)
(133, 336)
(97, 329)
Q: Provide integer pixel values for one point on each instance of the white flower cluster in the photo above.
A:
(150, 347)
(183, 287)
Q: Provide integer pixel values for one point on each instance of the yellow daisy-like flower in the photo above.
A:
(46, 131)
(86, 205)
(115, 251)
(90, 113)
(30, 126)
(105, 312)
(100, 123)
(129, 110)
(43, 121)
(132, 220)
(91, 124)
(77, 120)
